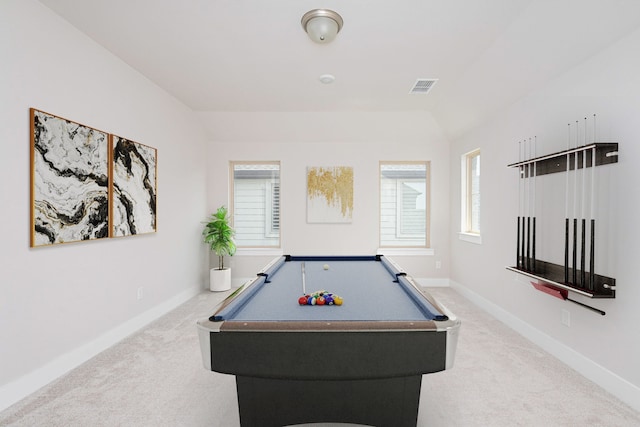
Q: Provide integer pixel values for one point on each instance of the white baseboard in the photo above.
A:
(22, 387)
(614, 384)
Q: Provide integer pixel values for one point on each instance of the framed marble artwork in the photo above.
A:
(329, 194)
(69, 181)
(133, 184)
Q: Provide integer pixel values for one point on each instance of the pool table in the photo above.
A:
(360, 362)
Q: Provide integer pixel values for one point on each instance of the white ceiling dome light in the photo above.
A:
(322, 25)
(327, 78)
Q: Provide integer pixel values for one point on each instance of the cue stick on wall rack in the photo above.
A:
(592, 249)
(533, 249)
(597, 310)
(520, 169)
(583, 219)
(592, 259)
(525, 205)
(523, 241)
(566, 211)
(575, 217)
(304, 285)
(528, 207)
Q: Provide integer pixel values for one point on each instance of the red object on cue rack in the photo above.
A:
(563, 294)
(551, 290)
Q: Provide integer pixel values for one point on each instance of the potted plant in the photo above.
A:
(218, 234)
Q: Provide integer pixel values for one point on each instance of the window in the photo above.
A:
(255, 205)
(470, 193)
(404, 204)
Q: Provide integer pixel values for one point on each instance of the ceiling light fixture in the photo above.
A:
(322, 25)
(327, 78)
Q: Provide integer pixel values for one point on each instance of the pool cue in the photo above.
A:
(518, 261)
(518, 240)
(304, 284)
(527, 207)
(583, 280)
(522, 239)
(528, 257)
(592, 257)
(529, 167)
(566, 213)
(597, 310)
(533, 248)
(575, 219)
(592, 249)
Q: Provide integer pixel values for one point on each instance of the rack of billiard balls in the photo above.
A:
(320, 298)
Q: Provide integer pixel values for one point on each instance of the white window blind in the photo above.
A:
(256, 203)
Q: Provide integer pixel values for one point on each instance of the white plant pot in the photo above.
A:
(220, 280)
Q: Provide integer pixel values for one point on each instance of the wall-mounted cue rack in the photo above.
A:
(577, 275)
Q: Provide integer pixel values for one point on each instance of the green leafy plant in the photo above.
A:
(218, 234)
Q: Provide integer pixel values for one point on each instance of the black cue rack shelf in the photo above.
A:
(606, 153)
(550, 274)
(553, 274)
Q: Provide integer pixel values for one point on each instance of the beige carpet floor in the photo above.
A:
(155, 378)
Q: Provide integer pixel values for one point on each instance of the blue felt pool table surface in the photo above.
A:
(369, 287)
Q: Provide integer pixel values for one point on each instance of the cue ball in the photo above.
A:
(326, 266)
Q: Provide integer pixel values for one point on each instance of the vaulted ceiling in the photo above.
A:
(253, 55)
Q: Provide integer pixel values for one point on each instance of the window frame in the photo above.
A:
(467, 230)
(398, 224)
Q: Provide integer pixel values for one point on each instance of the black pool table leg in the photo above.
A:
(388, 402)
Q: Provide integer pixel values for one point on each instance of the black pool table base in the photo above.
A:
(391, 402)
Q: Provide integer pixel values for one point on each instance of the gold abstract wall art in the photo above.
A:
(329, 194)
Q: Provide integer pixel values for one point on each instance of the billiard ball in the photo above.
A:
(302, 300)
(337, 300)
(328, 300)
(320, 301)
(326, 266)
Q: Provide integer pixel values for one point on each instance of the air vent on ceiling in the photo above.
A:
(422, 86)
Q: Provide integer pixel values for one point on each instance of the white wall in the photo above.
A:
(604, 348)
(359, 140)
(59, 305)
